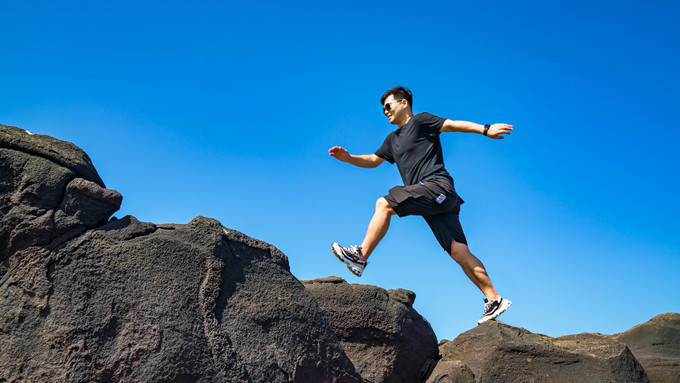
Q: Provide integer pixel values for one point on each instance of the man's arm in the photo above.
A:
(362, 161)
(495, 131)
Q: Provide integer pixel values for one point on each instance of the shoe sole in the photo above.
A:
(341, 258)
(505, 304)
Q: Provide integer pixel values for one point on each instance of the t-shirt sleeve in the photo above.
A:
(430, 123)
(385, 151)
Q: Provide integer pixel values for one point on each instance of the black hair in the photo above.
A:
(399, 93)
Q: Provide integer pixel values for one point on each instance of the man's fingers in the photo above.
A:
(338, 152)
(499, 134)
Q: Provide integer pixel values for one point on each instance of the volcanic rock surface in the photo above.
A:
(85, 299)
(49, 192)
(496, 352)
(386, 339)
(656, 344)
(89, 298)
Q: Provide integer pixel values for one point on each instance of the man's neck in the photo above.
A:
(408, 118)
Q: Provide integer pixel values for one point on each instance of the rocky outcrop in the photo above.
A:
(386, 339)
(451, 371)
(496, 352)
(656, 344)
(89, 298)
(85, 299)
(49, 193)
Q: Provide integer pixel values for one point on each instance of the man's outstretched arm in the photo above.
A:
(495, 131)
(362, 161)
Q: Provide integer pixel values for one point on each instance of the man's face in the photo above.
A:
(394, 110)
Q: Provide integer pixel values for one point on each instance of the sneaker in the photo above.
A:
(351, 256)
(493, 309)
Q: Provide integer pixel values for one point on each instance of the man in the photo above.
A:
(428, 189)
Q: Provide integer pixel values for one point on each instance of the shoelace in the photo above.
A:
(487, 307)
(356, 254)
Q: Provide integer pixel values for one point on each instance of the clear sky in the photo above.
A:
(228, 109)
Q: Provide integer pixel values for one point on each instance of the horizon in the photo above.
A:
(228, 111)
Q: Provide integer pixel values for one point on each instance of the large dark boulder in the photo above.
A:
(60, 152)
(381, 332)
(49, 192)
(656, 344)
(496, 352)
(88, 299)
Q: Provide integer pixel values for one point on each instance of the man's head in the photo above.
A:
(396, 104)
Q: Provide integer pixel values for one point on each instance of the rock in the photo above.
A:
(451, 371)
(656, 344)
(62, 153)
(386, 339)
(85, 299)
(496, 352)
(132, 301)
(49, 191)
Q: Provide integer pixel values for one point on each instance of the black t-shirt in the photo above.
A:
(416, 149)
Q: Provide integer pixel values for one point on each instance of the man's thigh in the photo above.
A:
(422, 199)
(446, 228)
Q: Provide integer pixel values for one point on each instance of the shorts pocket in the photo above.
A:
(402, 193)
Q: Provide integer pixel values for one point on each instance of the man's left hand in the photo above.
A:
(496, 131)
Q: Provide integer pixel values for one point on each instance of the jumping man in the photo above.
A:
(428, 189)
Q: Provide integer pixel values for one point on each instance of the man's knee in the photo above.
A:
(383, 205)
(459, 251)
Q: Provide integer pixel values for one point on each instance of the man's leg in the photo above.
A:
(355, 256)
(377, 227)
(474, 269)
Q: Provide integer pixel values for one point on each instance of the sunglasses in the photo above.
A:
(387, 107)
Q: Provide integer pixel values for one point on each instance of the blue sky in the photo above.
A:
(228, 110)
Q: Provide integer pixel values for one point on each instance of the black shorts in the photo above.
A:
(437, 202)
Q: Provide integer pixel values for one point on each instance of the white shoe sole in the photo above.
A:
(505, 304)
(352, 267)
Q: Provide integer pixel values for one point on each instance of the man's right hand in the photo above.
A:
(339, 153)
(362, 160)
